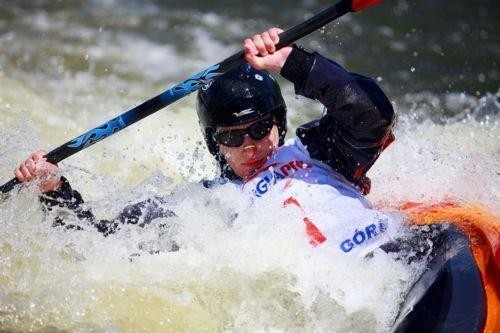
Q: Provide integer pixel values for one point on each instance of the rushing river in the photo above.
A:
(67, 66)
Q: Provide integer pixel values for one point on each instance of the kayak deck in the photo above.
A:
(482, 230)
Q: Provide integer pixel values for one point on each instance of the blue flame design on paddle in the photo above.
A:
(97, 134)
(197, 81)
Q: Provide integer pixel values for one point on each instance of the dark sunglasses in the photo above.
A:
(235, 138)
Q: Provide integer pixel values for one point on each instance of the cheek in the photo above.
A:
(273, 138)
(228, 153)
(232, 157)
(276, 136)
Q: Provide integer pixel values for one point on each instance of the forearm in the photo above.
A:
(65, 197)
(357, 124)
(354, 102)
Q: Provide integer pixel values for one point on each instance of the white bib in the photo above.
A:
(334, 212)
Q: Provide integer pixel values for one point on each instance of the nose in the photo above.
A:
(249, 146)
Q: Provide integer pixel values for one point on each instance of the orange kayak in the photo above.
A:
(481, 233)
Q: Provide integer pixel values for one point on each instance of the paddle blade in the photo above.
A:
(358, 5)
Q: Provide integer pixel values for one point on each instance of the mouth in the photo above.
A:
(255, 163)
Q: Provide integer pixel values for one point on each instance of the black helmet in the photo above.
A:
(240, 96)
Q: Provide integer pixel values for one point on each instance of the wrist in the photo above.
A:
(298, 64)
(51, 185)
(285, 52)
(58, 184)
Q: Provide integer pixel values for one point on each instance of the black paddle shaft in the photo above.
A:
(190, 85)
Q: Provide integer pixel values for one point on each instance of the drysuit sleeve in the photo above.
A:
(358, 120)
(141, 213)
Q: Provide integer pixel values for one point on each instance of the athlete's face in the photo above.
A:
(256, 143)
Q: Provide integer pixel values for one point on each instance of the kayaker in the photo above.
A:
(243, 119)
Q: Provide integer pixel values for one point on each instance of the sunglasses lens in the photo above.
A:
(260, 129)
(235, 138)
(231, 138)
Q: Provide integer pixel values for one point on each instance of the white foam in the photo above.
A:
(428, 162)
(250, 272)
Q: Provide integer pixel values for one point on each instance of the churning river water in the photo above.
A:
(68, 66)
